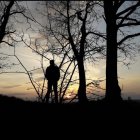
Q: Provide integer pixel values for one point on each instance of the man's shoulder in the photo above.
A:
(56, 67)
(48, 68)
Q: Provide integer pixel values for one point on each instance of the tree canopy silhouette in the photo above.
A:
(9, 11)
(71, 23)
(118, 15)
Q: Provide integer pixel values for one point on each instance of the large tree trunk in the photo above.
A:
(82, 82)
(113, 91)
(6, 15)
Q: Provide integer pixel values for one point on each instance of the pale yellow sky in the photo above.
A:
(18, 84)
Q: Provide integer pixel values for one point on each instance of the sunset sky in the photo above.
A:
(17, 84)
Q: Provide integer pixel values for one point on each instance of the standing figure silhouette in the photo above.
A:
(52, 75)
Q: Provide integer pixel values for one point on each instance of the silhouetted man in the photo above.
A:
(52, 75)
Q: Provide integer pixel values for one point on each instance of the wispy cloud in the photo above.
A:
(38, 71)
(12, 86)
(39, 79)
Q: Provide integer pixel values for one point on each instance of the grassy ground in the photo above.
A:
(16, 109)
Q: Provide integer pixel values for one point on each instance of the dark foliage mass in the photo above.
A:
(16, 109)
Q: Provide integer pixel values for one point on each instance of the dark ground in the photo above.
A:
(16, 109)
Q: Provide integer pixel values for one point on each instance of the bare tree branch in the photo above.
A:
(129, 24)
(128, 37)
(129, 9)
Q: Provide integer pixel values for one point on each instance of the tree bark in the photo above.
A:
(6, 15)
(113, 91)
(82, 82)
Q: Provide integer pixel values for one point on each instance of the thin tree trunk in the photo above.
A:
(82, 82)
(113, 91)
(5, 20)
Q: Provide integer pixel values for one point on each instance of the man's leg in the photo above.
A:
(49, 91)
(55, 91)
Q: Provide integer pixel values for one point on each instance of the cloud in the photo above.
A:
(38, 71)
(18, 94)
(96, 71)
(39, 79)
(12, 86)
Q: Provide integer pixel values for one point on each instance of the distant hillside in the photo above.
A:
(14, 109)
(4, 98)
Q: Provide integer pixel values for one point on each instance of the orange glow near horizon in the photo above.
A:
(17, 84)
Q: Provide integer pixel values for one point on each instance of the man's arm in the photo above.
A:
(46, 74)
(58, 73)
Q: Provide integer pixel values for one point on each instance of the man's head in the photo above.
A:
(52, 62)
